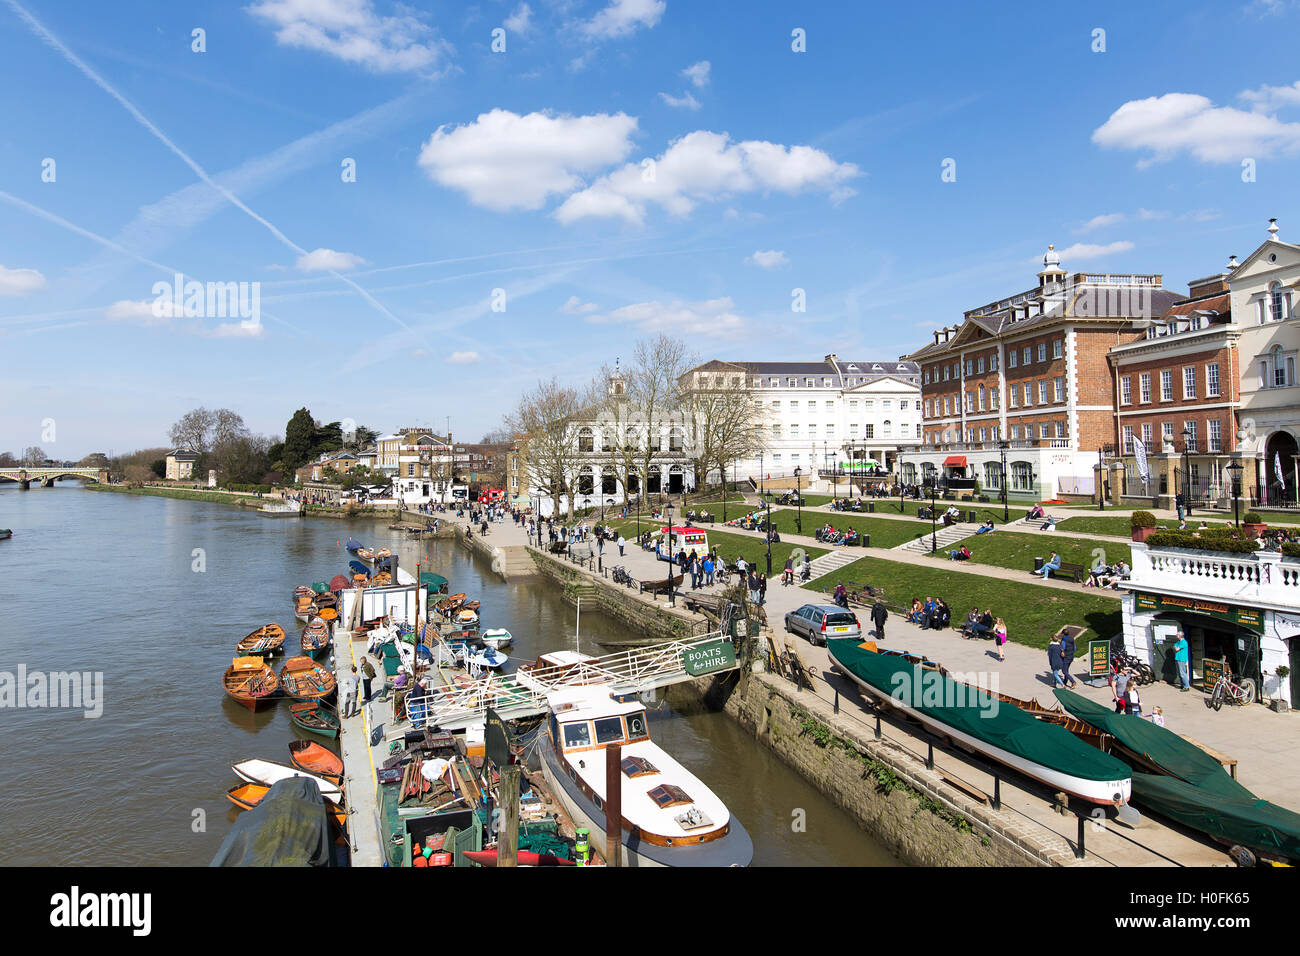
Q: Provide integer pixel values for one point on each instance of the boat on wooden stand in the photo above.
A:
(250, 681)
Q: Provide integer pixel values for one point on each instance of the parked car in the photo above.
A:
(819, 621)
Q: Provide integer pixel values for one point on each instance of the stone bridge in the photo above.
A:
(48, 476)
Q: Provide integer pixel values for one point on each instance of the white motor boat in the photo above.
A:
(670, 818)
(497, 637)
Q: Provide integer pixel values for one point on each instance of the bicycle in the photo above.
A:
(1234, 692)
(1141, 669)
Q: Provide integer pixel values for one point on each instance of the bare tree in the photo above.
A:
(33, 455)
(654, 387)
(724, 423)
(193, 430)
(547, 416)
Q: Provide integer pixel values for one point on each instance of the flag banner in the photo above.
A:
(1140, 454)
(1277, 469)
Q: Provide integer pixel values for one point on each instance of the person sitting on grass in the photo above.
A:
(960, 554)
(986, 527)
(1052, 564)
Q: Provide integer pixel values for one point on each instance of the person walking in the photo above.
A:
(622, 542)
(762, 590)
(367, 675)
(707, 567)
(1180, 658)
(348, 688)
(1067, 657)
(878, 617)
(1054, 660)
(1000, 637)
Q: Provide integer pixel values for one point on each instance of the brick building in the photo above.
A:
(1028, 377)
(1177, 392)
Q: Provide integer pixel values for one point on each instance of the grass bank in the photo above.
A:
(1009, 549)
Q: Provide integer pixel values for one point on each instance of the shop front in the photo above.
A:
(1215, 630)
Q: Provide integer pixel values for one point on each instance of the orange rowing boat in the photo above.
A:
(248, 795)
(250, 681)
(303, 679)
(312, 757)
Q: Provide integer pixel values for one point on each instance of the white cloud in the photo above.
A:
(1269, 99)
(234, 330)
(1149, 214)
(505, 161)
(575, 306)
(464, 358)
(685, 100)
(20, 281)
(768, 260)
(622, 18)
(1090, 250)
(698, 73)
(141, 311)
(1185, 122)
(704, 167)
(354, 32)
(327, 260)
(1097, 222)
(521, 21)
(709, 317)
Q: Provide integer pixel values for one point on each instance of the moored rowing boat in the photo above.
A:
(266, 641)
(303, 679)
(249, 681)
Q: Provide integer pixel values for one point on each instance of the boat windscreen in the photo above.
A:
(609, 730)
(636, 726)
(577, 735)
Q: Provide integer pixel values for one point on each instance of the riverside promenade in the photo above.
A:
(1263, 742)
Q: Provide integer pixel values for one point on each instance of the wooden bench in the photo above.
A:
(1068, 570)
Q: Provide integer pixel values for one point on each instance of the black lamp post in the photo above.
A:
(934, 521)
(668, 513)
(1101, 477)
(1003, 445)
(767, 499)
(1187, 474)
(1236, 470)
(798, 498)
(899, 461)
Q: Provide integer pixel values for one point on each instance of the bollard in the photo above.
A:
(1079, 850)
(837, 700)
(929, 755)
(877, 725)
(997, 793)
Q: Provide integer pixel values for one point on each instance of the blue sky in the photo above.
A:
(524, 171)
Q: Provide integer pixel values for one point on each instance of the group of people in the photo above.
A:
(1108, 575)
(931, 614)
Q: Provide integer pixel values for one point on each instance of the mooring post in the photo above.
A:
(508, 803)
(929, 755)
(997, 792)
(877, 725)
(614, 805)
(1079, 850)
(837, 700)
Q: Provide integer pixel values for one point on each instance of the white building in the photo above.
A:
(818, 415)
(1265, 289)
(1242, 608)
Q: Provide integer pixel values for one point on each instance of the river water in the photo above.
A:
(153, 593)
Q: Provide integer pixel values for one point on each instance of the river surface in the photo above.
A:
(153, 593)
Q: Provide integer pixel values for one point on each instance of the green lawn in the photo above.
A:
(1119, 525)
(885, 532)
(1010, 549)
(1033, 613)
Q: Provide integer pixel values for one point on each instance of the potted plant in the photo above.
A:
(1252, 524)
(1142, 523)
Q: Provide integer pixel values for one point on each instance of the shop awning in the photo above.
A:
(958, 461)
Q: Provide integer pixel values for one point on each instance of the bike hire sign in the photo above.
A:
(1248, 617)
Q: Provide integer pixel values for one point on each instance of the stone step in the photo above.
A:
(833, 560)
(944, 537)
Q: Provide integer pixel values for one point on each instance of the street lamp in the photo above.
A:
(1187, 474)
(1236, 470)
(1102, 450)
(1003, 445)
(767, 499)
(798, 499)
(934, 533)
(898, 460)
(668, 513)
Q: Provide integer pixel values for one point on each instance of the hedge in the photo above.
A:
(1206, 541)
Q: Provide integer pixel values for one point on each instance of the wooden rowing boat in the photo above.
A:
(382, 579)
(270, 772)
(248, 795)
(365, 554)
(312, 757)
(266, 641)
(250, 681)
(303, 679)
(315, 638)
(315, 717)
(382, 553)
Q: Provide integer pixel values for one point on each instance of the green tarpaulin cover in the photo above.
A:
(435, 582)
(1199, 793)
(1248, 820)
(320, 587)
(1164, 748)
(290, 827)
(978, 714)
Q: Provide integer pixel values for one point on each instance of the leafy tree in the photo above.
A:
(326, 438)
(159, 467)
(297, 450)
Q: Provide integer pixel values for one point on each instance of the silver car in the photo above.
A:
(820, 621)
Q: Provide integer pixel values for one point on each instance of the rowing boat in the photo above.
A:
(303, 679)
(312, 757)
(270, 772)
(315, 638)
(365, 554)
(266, 641)
(497, 637)
(973, 719)
(248, 795)
(312, 716)
(249, 681)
